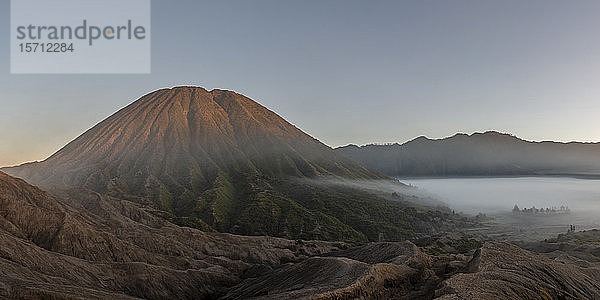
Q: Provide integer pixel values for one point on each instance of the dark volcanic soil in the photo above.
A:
(101, 247)
(78, 244)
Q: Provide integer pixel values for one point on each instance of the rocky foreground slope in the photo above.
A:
(403, 271)
(78, 244)
(93, 246)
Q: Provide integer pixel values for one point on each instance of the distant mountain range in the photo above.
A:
(479, 154)
(217, 160)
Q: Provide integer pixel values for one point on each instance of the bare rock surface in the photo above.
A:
(403, 271)
(584, 245)
(385, 252)
(102, 247)
(77, 244)
(374, 271)
(505, 271)
(312, 276)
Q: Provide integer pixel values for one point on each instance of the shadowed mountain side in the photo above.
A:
(103, 247)
(219, 161)
(480, 154)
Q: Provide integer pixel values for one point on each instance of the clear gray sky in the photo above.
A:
(343, 71)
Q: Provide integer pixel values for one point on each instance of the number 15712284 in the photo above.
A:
(46, 47)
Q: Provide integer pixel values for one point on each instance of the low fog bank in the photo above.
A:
(497, 197)
(395, 189)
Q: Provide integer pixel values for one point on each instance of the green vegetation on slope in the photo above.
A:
(219, 160)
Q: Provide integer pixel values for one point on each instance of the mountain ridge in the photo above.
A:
(489, 153)
(459, 134)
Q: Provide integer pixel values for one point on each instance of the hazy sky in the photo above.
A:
(343, 71)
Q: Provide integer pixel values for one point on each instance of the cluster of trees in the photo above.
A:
(548, 210)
